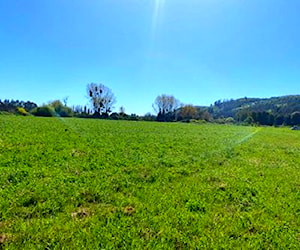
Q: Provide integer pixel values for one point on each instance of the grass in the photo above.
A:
(96, 184)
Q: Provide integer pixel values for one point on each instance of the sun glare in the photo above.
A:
(157, 14)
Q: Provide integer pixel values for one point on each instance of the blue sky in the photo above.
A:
(197, 50)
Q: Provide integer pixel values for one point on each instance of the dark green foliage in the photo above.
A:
(64, 112)
(54, 108)
(268, 111)
(148, 117)
(195, 206)
(165, 117)
(12, 106)
(60, 109)
(115, 116)
(45, 111)
(295, 118)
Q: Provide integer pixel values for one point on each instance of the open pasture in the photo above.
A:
(97, 184)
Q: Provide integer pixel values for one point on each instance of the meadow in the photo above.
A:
(98, 184)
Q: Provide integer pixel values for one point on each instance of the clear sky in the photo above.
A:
(197, 50)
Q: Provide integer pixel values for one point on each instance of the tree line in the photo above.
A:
(13, 105)
(275, 111)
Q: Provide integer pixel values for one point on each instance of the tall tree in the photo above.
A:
(188, 112)
(165, 106)
(295, 118)
(122, 110)
(101, 98)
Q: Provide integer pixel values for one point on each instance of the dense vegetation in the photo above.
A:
(16, 106)
(275, 111)
(86, 183)
(283, 110)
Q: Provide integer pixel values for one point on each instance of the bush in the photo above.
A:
(43, 111)
(5, 113)
(60, 109)
(220, 120)
(114, 116)
(198, 121)
(149, 117)
(22, 111)
(295, 118)
(64, 111)
(229, 120)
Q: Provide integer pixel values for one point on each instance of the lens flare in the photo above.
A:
(157, 15)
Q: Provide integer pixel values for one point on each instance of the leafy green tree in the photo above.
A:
(279, 120)
(295, 118)
(61, 109)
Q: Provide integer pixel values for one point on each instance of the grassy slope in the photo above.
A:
(77, 183)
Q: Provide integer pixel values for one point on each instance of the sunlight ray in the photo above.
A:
(157, 15)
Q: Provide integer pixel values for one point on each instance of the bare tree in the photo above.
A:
(122, 110)
(101, 98)
(165, 103)
(165, 107)
(65, 100)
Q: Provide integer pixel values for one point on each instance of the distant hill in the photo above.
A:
(264, 111)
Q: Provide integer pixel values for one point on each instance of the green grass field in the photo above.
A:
(97, 184)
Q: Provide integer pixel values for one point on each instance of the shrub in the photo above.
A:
(229, 120)
(198, 121)
(43, 111)
(295, 118)
(220, 120)
(22, 111)
(5, 113)
(115, 116)
(64, 111)
(60, 109)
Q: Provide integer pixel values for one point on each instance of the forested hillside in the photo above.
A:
(266, 111)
